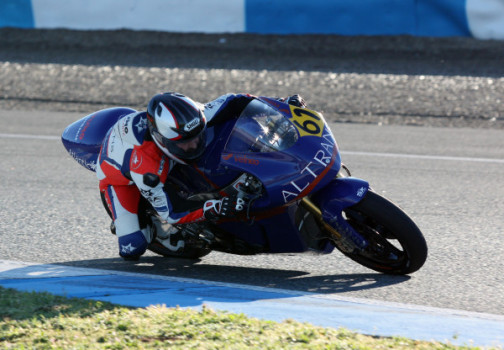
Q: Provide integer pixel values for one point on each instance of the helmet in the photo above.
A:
(177, 125)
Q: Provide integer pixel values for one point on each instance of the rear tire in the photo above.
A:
(396, 244)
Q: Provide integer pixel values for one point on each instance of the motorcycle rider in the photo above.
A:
(139, 151)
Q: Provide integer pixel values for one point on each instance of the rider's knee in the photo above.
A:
(133, 245)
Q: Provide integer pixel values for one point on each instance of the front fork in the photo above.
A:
(327, 208)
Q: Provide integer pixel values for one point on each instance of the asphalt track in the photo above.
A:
(448, 180)
(447, 175)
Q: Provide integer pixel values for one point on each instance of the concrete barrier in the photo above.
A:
(482, 19)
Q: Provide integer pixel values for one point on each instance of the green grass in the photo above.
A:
(45, 321)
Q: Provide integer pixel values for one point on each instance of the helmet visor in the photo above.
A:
(185, 149)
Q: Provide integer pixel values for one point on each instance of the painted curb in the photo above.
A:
(362, 315)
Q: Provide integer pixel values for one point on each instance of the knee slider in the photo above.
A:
(132, 245)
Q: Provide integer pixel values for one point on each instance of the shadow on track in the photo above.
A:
(266, 278)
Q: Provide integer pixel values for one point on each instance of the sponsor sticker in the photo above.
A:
(192, 125)
(136, 160)
(308, 122)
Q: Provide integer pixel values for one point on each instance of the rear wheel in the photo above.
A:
(396, 245)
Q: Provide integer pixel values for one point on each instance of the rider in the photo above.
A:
(139, 151)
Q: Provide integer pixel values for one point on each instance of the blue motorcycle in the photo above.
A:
(295, 195)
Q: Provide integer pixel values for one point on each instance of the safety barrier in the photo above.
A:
(483, 19)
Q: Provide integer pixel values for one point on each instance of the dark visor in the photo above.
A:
(189, 149)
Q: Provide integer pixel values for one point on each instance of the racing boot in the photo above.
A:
(165, 236)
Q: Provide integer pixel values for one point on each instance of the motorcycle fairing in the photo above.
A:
(338, 195)
(272, 233)
(303, 164)
(287, 175)
(342, 192)
(83, 138)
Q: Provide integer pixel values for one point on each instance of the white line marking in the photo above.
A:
(420, 156)
(356, 153)
(26, 136)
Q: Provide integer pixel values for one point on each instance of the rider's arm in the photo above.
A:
(226, 107)
(149, 174)
(162, 203)
(155, 193)
(148, 169)
(231, 105)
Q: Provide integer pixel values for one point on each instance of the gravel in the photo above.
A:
(447, 82)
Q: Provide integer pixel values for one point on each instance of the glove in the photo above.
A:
(224, 208)
(296, 100)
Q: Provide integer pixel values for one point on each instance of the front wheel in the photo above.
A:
(396, 244)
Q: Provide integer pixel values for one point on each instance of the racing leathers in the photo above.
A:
(131, 165)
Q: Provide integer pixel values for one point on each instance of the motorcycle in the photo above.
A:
(293, 193)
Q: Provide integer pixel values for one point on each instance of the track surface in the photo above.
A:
(449, 179)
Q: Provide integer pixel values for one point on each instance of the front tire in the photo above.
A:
(396, 244)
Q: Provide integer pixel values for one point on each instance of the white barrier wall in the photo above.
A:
(174, 15)
(486, 18)
(482, 19)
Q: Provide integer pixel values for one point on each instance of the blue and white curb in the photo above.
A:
(361, 315)
(483, 19)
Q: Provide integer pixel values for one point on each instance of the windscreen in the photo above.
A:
(261, 128)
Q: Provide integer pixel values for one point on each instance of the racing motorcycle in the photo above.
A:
(293, 194)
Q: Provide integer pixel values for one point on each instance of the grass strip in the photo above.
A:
(31, 320)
